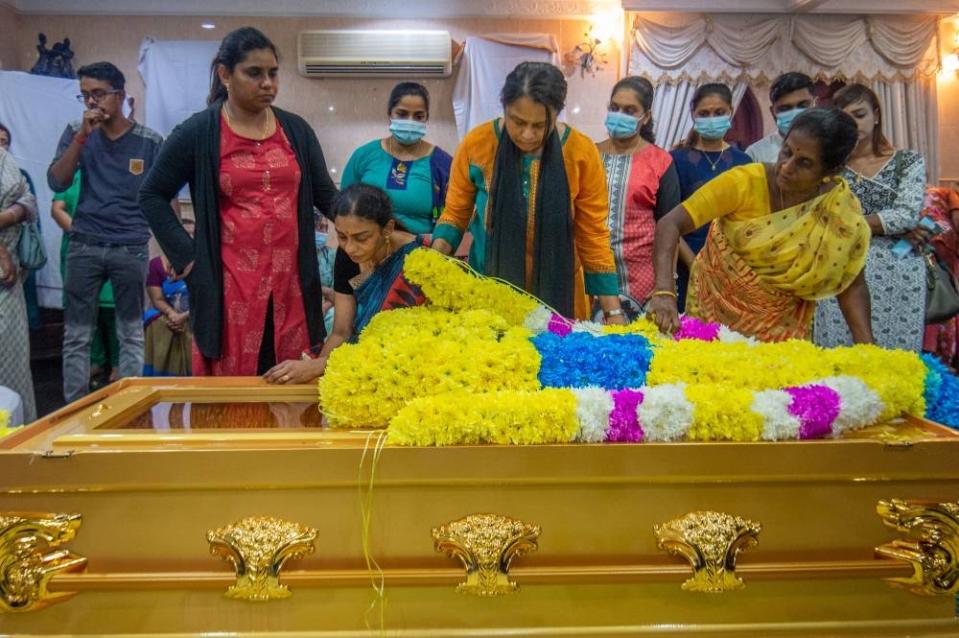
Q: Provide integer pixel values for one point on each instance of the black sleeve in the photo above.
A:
(667, 197)
(323, 188)
(172, 169)
(344, 269)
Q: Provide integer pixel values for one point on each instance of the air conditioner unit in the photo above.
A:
(386, 54)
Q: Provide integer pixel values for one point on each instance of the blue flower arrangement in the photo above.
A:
(612, 362)
(941, 392)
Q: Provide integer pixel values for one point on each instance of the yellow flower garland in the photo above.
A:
(447, 284)
(897, 376)
(416, 352)
(504, 418)
(722, 413)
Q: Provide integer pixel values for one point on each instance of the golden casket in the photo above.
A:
(223, 506)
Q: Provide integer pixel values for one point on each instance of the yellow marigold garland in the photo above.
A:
(416, 352)
(897, 376)
(448, 284)
(722, 413)
(504, 418)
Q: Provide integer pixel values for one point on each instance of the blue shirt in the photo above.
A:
(112, 171)
(694, 168)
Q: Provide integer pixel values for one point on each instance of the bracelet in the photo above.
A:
(79, 138)
(616, 312)
(664, 293)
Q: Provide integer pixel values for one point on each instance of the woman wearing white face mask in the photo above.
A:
(703, 156)
(642, 183)
(413, 172)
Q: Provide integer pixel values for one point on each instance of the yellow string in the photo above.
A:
(366, 515)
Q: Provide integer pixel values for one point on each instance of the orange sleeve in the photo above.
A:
(460, 195)
(590, 217)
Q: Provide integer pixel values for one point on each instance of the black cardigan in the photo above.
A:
(191, 155)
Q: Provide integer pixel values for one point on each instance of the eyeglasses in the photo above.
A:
(97, 96)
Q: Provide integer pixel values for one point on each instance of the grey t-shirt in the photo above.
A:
(111, 174)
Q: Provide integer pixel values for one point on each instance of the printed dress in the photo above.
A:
(897, 285)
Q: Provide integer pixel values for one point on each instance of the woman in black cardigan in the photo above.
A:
(255, 174)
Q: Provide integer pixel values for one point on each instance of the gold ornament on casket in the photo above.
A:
(486, 544)
(710, 541)
(932, 547)
(258, 547)
(30, 555)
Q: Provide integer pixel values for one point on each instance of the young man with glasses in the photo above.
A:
(109, 235)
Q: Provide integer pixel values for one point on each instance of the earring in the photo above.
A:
(825, 180)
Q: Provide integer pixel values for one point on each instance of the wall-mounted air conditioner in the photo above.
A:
(388, 54)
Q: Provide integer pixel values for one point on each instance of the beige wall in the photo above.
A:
(9, 32)
(359, 105)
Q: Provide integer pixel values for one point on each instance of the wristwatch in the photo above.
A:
(618, 312)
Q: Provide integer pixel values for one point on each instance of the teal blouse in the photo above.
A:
(409, 185)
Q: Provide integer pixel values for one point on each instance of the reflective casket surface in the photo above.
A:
(337, 534)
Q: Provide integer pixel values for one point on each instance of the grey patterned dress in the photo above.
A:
(897, 286)
(14, 334)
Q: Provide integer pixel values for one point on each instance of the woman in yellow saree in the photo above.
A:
(787, 235)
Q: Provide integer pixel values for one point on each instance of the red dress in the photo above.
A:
(259, 182)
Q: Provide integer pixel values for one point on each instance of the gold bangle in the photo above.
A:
(667, 293)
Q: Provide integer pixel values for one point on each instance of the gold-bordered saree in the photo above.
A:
(762, 276)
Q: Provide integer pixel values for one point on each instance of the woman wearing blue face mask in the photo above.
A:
(703, 156)
(642, 183)
(413, 172)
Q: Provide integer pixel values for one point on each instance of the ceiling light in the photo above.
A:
(208, 25)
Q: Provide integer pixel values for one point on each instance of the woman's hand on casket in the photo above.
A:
(296, 371)
(663, 311)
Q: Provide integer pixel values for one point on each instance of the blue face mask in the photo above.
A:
(620, 125)
(320, 238)
(407, 132)
(785, 119)
(713, 128)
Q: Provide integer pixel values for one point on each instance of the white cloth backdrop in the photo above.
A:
(176, 74)
(37, 109)
(895, 55)
(483, 67)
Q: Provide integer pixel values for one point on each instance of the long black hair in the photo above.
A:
(643, 89)
(233, 50)
(539, 81)
(718, 89)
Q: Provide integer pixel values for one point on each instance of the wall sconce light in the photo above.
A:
(586, 56)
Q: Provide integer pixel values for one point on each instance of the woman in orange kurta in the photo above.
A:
(538, 190)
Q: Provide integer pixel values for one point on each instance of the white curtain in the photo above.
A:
(176, 74)
(895, 55)
(37, 109)
(910, 118)
(483, 67)
(893, 47)
(671, 115)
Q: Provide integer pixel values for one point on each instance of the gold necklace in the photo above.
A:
(711, 163)
(261, 132)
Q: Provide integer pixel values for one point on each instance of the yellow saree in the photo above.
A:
(761, 274)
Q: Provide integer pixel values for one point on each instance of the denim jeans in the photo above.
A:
(89, 265)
